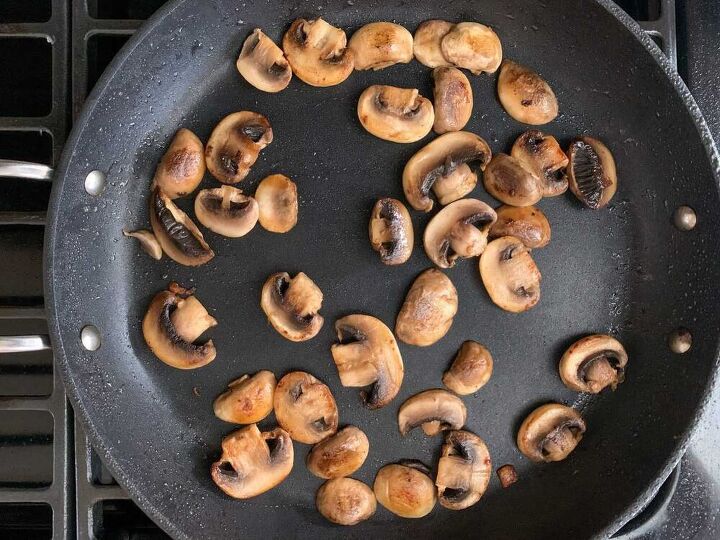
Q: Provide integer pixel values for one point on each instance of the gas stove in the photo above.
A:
(52, 484)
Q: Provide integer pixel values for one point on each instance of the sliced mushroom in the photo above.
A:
(525, 95)
(277, 196)
(173, 322)
(526, 223)
(345, 501)
(248, 399)
(507, 475)
(459, 230)
(449, 165)
(305, 407)
(292, 305)
(510, 275)
(550, 432)
(391, 231)
(434, 410)
(453, 99)
(316, 52)
(183, 165)
(593, 363)
(542, 154)
(147, 241)
(428, 310)
(234, 145)
(426, 43)
(464, 470)
(381, 44)
(339, 455)
(178, 236)
(225, 210)
(395, 114)
(367, 355)
(591, 172)
(252, 462)
(405, 489)
(472, 46)
(510, 181)
(470, 370)
(263, 64)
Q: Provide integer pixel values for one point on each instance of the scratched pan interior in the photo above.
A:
(624, 270)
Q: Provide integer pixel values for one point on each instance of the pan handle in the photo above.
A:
(25, 169)
(18, 344)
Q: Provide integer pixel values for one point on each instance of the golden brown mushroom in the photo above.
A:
(591, 172)
(593, 363)
(550, 432)
(225, 210)
(292, 305)
(391, 231)
(525, 95)
(426, 43)
(263, 64)
(147, 241)
(305, 407)
(510, 181)
(526, 223)
(472, 46)
(470, 370)
(378, 45)
(434, 410)
(183, 165)
(464, 470)
(453, 99)
(405, 489)
(510, 275)
(395, 114)
(542, 154)
(345, 501)
(339, 455)
(507, 475)
(248, 399)
(277, 198)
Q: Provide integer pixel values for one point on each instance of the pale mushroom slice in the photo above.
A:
(510, 275)
(591, 173)
(378, 45)
(550, 432)
(278, 201)
(434, 410)
(263, 64)
(252, 462)
(542, 154)
(452, 99)
(395, 114)
(428, 310)
(345, 501)
(147, 241)
(248, 399)
(464, 470)
(391, 231)
(426, 43)
(471, 369)
(594, 363)
(292, 304)
(405, 489)
(472, 46)
(525, 95)
(305, 407)
(448, 165)
(526, 223)
(459, 230)
(510, 181)
(226, 211)
(367, 355)
(339, 455)
(182, 166)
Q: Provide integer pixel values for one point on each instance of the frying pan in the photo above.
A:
(625, 270)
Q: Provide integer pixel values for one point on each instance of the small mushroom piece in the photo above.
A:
(470, 370)
(395, 114)
(263, 64)
(305, 407)
(510, 181)
(234, 145)
(542, 154)
(183, 165)
(391, 231)
(317, 52)
(277, 197)
(225, 210)
(405, 489)
(178, 236)
(339, 455)
(379, 45)
(248, 399)
(252, 462)
(525, 95)
(345, 501)
(448, 165)
(591, 173)
(526, 223)
(507, 475)
(426, 43)
(464, 470)
(593, 363)
(459, 230)
(550, 432)
(367, 355)
(472, 46)
(147, 241)
(510, 275)
(453, 99)
(434, 410)
(292, 305)
(428, 310)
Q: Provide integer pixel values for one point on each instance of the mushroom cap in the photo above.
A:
(510, 181)
(472, 46)
(591, 172)
(426, 43)
(317, 52)
(435, 410)
(526, 223)
(147, 241)
(395, 114)
(182, 166)
(525, 95)
(381, 44)
(542, 154)
(458, 231)
(367, 355)
(593, 363)
(464, 470)
(305, 407)
(263, 64)
(292, 305)
(249, 465)
(470, 370)
(428, 310)
(449, 165)
(550, 432)
(452, 99)
(391, 231)
(405, 490)
(345, 501)
(277, 197)
(339, 455)
(248, 399)
(225, 210)
(510, 275)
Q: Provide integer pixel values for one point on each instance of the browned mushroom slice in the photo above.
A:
(458, 231)
(292, 305)
(263, 64)
(405, 489)
(234, 145)
(510, 275)
(426, 43)
(395, 114)
(542, 154)
(339, 455)
(526, 223)
(428, 311)
(178, 236)
(367, 355)
(381, 44)
(183, 165)
(305, 407)
(591, 172)
(525, 95)
(453, 99)
(391, 231)
(316, 52)
(550, 432)
(147, 241)
(464, 470)
(472, 46)
(507, 475)
(252, 462)
(345, 501)
(248, 399)
(470, 370)
(594, 363)
(434, 410)
(510, 181)
(448, 165)
(277, 196)
(225, 210)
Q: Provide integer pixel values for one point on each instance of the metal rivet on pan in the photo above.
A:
(685, 218)
(680, 340)
(90, 337)
(95, 182)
